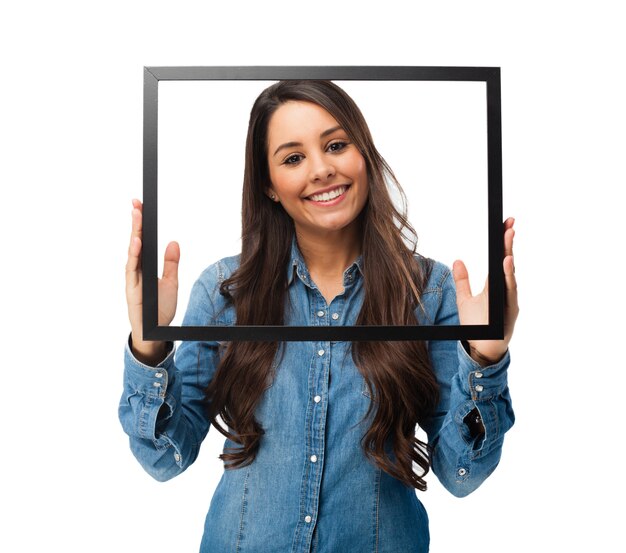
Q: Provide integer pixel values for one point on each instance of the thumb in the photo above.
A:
(461, 279)
(170, 264)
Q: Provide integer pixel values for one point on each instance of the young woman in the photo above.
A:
(321, 453)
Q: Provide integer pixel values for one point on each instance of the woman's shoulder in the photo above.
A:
(438, 274)
(206, 299)
(218, 271)
(212, 276)
(439, 294)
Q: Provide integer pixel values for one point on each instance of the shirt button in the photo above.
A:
(313, 458)
(176, 457)
(479, 388)
(308, 518)
(335, 316)
(320, 313)
(159, 375)
(462, 472)
(320, 352)
(317, 399)
(156, 384)
(478, 375)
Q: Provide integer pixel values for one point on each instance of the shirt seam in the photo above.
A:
(244, 504)
(377, 509)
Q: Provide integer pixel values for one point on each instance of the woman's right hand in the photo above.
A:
(149, 352)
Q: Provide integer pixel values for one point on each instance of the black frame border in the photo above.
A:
(151, 329)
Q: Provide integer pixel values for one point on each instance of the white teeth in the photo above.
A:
(326, 196)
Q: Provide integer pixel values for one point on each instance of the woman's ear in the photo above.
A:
(270, 194)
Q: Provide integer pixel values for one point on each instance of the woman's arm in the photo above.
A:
(475, 411)
(162, 408)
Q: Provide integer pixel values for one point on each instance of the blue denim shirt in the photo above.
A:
(311, 488)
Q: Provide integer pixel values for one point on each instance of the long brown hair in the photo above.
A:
(398, 373)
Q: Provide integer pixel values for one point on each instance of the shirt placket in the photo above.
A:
(315, 425)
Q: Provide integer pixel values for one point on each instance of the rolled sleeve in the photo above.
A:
(460, 459)
(482, 383)
(163, 408)
(151, 385)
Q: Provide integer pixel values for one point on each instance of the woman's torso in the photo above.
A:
(310, 487)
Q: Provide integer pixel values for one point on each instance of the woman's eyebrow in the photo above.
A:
(292, 144)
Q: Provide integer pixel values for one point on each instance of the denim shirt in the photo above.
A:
(310, 487)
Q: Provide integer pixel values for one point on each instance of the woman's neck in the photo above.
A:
(330, 254)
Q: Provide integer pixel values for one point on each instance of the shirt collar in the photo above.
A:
(298, 266)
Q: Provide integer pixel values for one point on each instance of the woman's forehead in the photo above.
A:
(298, 118)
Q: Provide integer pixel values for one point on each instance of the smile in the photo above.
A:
(328, 196)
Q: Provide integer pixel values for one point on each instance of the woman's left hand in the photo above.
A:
(474, 310)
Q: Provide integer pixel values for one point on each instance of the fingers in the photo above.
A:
(461, 279)
(509, 274)
(137, 221)
(512, 308)
(134, 248)
(172, 252)
(170, 264)
(509, 233)
(509, 265)
(134, 251)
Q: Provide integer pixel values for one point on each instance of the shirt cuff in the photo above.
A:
(150, 380)
(482, 383)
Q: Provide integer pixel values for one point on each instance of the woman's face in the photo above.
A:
(316, 172)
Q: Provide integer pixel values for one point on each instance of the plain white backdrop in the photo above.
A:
(432, 133)
(71, 143)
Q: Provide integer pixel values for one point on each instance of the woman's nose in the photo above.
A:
(322, 169)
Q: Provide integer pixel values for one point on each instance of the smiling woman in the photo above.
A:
(329, 428)
(320, 170)
(320, 179)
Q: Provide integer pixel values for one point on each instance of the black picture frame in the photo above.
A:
(493, 330)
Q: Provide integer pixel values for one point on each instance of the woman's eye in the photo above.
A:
(291, 160)
(339, 146)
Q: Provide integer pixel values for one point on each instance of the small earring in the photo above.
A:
(272, 196)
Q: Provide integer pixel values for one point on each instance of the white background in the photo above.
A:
(71, 147)
(432, 133)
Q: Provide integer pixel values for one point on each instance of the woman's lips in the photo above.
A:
(334, 201)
